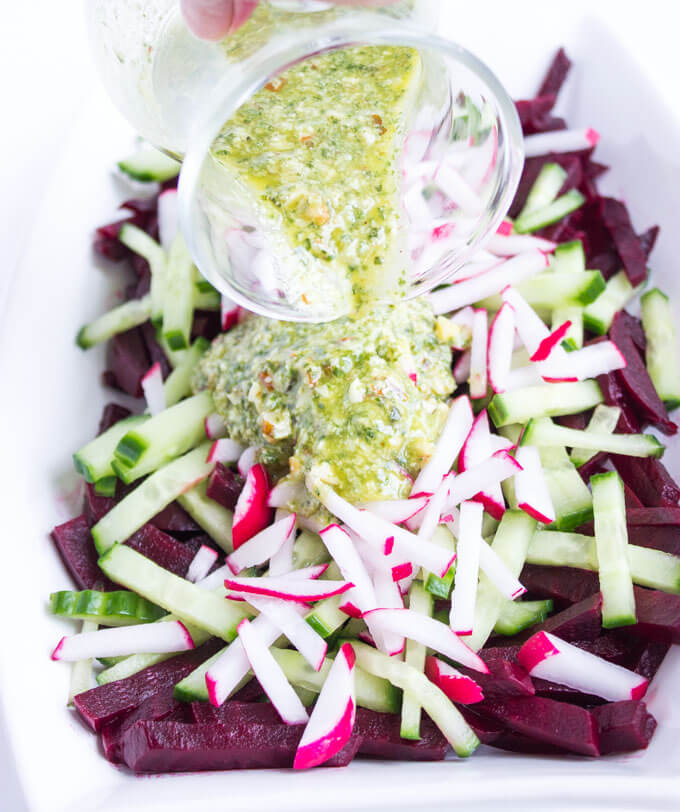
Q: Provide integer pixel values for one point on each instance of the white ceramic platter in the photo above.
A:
(51, 404)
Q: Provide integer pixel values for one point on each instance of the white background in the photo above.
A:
(48, 78)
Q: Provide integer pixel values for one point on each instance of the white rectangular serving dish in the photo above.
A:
(52, 403)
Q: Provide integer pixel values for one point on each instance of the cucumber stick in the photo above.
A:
(569, 257)
(421, 601)
(543, 432)
(435, 703)
(516, 616)
(214, 518)
(569, 493)
(117, 320)
(552, 289)
(178, 295)
(144, 245)
(611, 543)
(119, 608)
(547, 215)
(178, 383)
(662, 355)
(511, 543)
(81, 670)
(209, 611)
(543, 400)
(150, 497)
(598, 315)
(169, 434)
(93, 461)
(309, 550)
(604, 420)
(147, 164)
(326, 616)
(648, 567)
(573, 338)
(545, 189)
(106, 486)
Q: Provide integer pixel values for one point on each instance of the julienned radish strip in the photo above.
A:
(473, 290)
(478, 356)
(435, 703)
(535, 336)
(396, 510)
(332, 721)
(432, 513)
(509, 245)
(270, 676)
(548, 657)
(288, 588)
(548, 344)
(611, 543)
(152, 386)
(151, 638)
(560, 141)
(252, 513)
(499, 356)
(377, 531)
(247, 460)
(214, 426)
(216, 578)
(284, 493)
(201, 563)
(229, 313)
(457, 686)
(288, 619)
(543, 432)
(388, 596)
(361, 598)
(421, 602)
(588, 362)
(467, 573)
(531, 489)
(225, 451)
(262, 546)
(450, 441)
(496, 469)
(81, 670)
(500, 575)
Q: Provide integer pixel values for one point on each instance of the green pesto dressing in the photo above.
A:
(359, 400)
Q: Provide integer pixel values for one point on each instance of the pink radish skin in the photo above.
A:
(505, 228)
(548, 344)
(229, 313)
(477, 449)
(270, 676)
(160, 638)
(458, 687)
(548, 657)
(427, 631)
(500, 466)
(464, 593)
(252, 513)
(287, 588)
(262, 546)
(225, 451)
(588, 362)
(499, 352)
(152, 386)
(332, 721)
(402, 571)
(201, 564)
(531, 489)
(215, 427)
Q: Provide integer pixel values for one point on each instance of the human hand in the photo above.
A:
(215, 19)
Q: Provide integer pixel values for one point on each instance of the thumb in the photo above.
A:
(215, 19)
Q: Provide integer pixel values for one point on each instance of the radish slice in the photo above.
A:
(149, 638)
(559, 141)
(499, 443)
(477, 449)
(262, 546)
(499, 353)
(152, 386)
(458, 424)
(457, 189)
(470, 291)
(548, 657)
(285, 616)
(548, 344)
(531, 489)
(522, 377)
(505, 228)
(270, 676)
(433, 511)
(285, 493)
(201, 564)
(215, 427)
(396, 510)
(467, 569)
(510, 245)
(288, 588)
(500, 466)
(229, 313)
(462, 367)
(216, 578)
(498, 572)
(388, 596)
(376, 531)
(429, 632)
(282, 563)
(251, 513)
(168, 218)
(225, 674)
(246, 460)
(458, 687)
(362, 596)
(588, 362)
(332, 721)
(529, 324)
(478, 361)
(225, 451)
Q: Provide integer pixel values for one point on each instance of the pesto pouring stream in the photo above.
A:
(360, 400)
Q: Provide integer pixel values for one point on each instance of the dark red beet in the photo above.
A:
(556, 74)
(635, 379)
(153, 747)
(115, 700)
(166, 551)
(624, 726)
(544, 720)
(505, 678)
(174, 519)
(380, 733)
(534, 114)
(128, 360)
(235, 712)
(662, 538)
(595, 465)
(648, 479)
(515, 742)
(613, 394)
(224, 486)
(574, 421)
(532, 169)
(564, 584)
(74, 543)
(581, 621)
(206, 324)
(563, 693)
(631, 497)
(654, 516)
(156, 354)
(112, 414)
(648, 240)
(95, 505)
(486, 730)
(617, 220)
(658, 615)
(650, 658)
